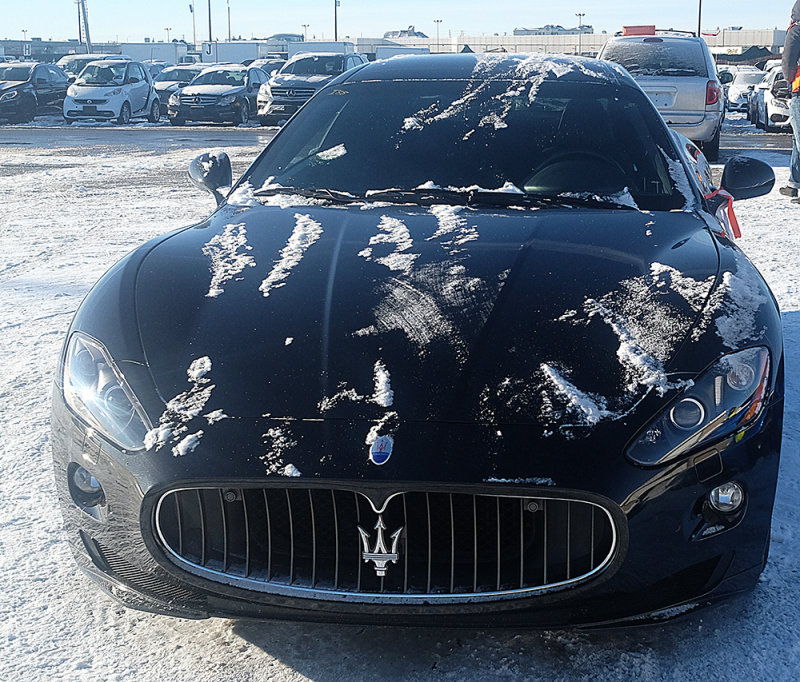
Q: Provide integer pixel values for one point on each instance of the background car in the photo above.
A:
(771, 102)
(268, 65)
(298, 80)
(173, 78)
(465, 345)
(112, 90)
(739, 88)
(73, 64)
(28, 89)
(678, 74)
(224, 92)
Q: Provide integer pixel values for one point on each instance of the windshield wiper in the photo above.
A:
(419, 195)
(311, 193)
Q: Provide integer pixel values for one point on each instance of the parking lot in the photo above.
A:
(77, 198)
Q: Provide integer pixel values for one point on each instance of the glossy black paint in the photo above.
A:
(44, 90)
(464, 417)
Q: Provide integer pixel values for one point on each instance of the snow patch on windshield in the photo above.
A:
(333, 153)
(243, 196)
(229, 257)
(306, 232)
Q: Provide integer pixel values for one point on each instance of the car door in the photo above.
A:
(42, 85)
(254, 81)
(138, 87)
(60, 83)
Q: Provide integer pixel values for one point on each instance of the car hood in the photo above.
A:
(169, 86)
(218, 90)
(299, 80)
(554, 317)
(10, 85)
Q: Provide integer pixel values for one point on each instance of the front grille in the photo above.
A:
(293, 93)
(450, 546)
(90, 101)
(198, 100)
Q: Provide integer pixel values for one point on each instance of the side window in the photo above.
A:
(41, 72)
(55, 75)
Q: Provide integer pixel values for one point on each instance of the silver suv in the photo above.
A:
(678, 74)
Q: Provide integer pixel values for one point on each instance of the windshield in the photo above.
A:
(748, 78)
(103, 74)
(14, 73)
(554, 139)
(176, 74)
(657, 57)
(330, 65)
(221, 77)
(75, 65)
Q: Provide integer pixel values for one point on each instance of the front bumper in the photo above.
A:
(108, 109)
(213, 112)
(672, 556)
(277, 109)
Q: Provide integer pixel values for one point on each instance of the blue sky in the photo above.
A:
(132, 21)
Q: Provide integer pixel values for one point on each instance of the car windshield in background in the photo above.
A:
(657, 57)
(556, 139)
(331, 65)
(14, 73)
(176, 74)
(748, 77)
(103, 74)
(221, 77)
(76, 65)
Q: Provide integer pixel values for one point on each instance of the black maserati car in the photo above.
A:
(469, 343)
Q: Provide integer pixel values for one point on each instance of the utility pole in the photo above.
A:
(335, 20)
(437, 22)
(580, 16)
(210, 39)
(194, 26)
(699, 15)
(305, 32)
(229, 20)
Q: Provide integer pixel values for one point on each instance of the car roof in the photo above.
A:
(305, 55)
(109, 62)
(521, 67)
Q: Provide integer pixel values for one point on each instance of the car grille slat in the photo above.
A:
(292, 93)
(202, 100)
(454, 545)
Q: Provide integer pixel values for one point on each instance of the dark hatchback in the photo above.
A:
(464, 346)
(220, 93)
(172, 79)
(29, 88)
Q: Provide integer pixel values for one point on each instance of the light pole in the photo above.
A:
(229, 20)
(335, 20)
(194, 26)
(437, 22)
(167, 30)
(24, 34)
(209, 22)
(699, 15)
(580, 16)
(305, 32)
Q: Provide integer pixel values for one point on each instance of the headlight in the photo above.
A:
(723, 399)
(264, 93)
(175, 99)
(9, 95)
(114, 92)
(98, 393)
(72, 91)
(226, 101)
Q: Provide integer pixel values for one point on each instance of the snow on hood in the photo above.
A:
(229, 255)
(292, 79)
(218, 90)
(305, 233)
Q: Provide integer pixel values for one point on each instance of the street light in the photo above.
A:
(335, 20)
(305, 32)
(437, 22)
(580, 16)
(229, 20)
(24, 34)
(167, 30)
(209, 22)
(699, 16)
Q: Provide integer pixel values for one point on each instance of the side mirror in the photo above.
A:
(725, 77)
(781, 88)
(745, 177)
(133, 79)
(71, 79)
(212, 171)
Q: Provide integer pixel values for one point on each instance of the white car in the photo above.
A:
(116, 90)
(771, 110)
(739, 89)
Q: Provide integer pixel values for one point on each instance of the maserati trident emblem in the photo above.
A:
(380, 554)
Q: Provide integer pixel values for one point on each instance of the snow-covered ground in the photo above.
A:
(68, 213)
